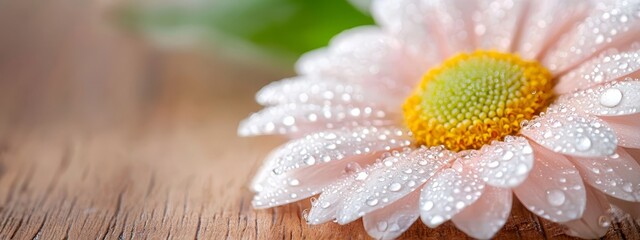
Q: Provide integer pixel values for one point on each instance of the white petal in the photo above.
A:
(364, 55)
(612, 99)
(393, 220)
(608, 66)
(283, 188)
(498, 23)
(447, 194)
(611, 23)
(391, 179)
(310, 90)
(617, 175)
(330, 201)
(505, 164)
(595, 221)
(563, 130)
(338, 145)
(299, 119)
(554, 189)
(548, 19)
(487, 215)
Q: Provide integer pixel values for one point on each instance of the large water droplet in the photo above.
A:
(555, 197)
(507, 155)
(310, 160)
(382, 226)
(611, 97)
(372, 202)
(627, 187)
(437, 219)
(394, 187)
(604, 221)
(428, 205)
(583, 144)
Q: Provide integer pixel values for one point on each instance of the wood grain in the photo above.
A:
(103, 137)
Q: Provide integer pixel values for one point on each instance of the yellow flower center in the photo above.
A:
(473, 99)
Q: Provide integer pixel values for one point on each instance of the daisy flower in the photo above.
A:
(448, 109)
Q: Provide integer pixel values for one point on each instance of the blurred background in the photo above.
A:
(104, 61)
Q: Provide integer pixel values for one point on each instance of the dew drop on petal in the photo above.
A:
(555, 197)
(394, 187)
(611, 97)
(604, 221)
(372, 202)
(382, 226)
(583, 144)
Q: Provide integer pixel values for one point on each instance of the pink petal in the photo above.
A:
(608, 66)
(498, 23)
(610, 23)
(393, 220)
(554, 189)
(391, 179)
(487, 215)
(627, 129)
(612, 99)
(565, 131)
(632, 208)
(365, 55)
(634, 153)
(299, 119)
(446, 194)
(617, 175)
(595, 221)
(407, 20)
(452, 22)
(505, 164)
(545, 23)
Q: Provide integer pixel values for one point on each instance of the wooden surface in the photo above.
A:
(103, 137)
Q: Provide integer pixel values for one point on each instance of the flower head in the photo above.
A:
(450, 107)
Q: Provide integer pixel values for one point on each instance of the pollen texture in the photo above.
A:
(473, 99)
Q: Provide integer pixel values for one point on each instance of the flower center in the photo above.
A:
(473, 99)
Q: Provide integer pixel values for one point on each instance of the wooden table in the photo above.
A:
(104, 137)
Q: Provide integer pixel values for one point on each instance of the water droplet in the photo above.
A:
(394, 187)
(382, 226)
(527, 150)
(372, 202)
(310, 160)
(555, 197)
(611, 97)
(604, 221)
(460, 205)
(293, 195)
(437, 219)
(583, 144)
(325, 204)
(627, 187)
(288, 121)
(428, 205)
(294, 182)
(493, 164)
(507, 155)
(361, 176)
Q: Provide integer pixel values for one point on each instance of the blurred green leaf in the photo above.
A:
(286, 27)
